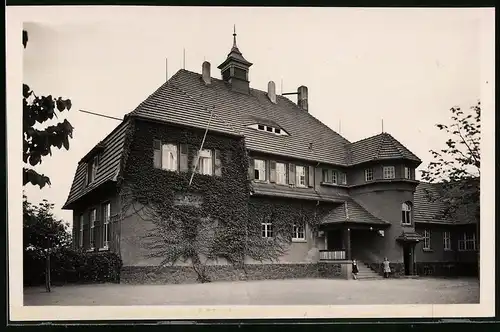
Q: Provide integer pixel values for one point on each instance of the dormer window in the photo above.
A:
(92, 169)
(270, 129)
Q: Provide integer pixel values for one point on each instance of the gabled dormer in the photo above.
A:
(91, 160)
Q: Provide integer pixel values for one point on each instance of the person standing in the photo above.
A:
(355, 270)
(387, 267)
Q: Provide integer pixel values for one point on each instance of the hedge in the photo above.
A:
(71, 266)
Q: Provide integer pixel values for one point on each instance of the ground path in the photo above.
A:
(265, 292)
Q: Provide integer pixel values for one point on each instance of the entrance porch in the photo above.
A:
(348, 241)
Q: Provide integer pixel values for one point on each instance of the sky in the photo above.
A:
(407, 67)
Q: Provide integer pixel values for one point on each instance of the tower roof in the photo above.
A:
(235, 55)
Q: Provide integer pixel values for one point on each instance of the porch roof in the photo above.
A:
(352, 212)
(409, 237)
(297, 193)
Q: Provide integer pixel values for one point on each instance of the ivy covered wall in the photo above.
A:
(224, 199)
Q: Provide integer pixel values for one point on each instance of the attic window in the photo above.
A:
(269, 129)
(92, 169)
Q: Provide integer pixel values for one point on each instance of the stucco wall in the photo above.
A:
(134, 244)
(384, 201)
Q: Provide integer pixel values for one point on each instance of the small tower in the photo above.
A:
(235, 69)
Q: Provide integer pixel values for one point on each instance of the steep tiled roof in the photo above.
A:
(109, 162)
(241, 110)
(170, 104)
(425, 209)
(378, 147)
(352, 211)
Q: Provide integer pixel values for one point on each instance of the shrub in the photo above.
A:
(72, 266)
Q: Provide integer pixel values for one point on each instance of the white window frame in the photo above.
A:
(267, 230)
(80, 239)
(369, 174)
(427, 240)
(260, 165)
(467, 243)
(299, 232)
(281, 173)
(325, 178)
(107, 218)
(93, 219)
(407, 173)
(300, 176)
(171, 153)
(406, 213)
(342, 178)
(206, 162)
(335, 177)
(389, 172)
(447, 240)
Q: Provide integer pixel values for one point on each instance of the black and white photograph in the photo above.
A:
(250, 162)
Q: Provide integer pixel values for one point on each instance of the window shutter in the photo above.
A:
(164, 156)
(157, 153)
(311, 176)
(272, 173)
(183, 160)
(217, 163)
(291, 173)
(251, 169)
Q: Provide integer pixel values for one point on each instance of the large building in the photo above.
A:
(286, 189)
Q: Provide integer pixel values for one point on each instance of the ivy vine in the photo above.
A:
(226, 224)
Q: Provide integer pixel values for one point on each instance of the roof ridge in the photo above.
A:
(381, 144)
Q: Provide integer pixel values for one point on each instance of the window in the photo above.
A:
(467, 242)
(427, 240)
(326, 175)
(446, 240)
(406, 213)
(299, 232)
(80, 239)
(169, 157)
(300, 172)
(277, 130)
(407, 173)
(92, 170)
(368, 174)
(280, 173)
(267, 229)
(389, 172)
(261, 127)
(269, 129)
(205, 162)
(106, 218)
(260, 170)
(342, 178)
(334, 177)
(93, 218)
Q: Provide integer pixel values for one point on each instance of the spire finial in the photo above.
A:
(234, 35)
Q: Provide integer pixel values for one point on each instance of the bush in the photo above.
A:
(72, 266)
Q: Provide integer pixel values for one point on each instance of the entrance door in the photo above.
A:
(407, 259)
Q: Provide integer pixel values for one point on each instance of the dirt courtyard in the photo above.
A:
(266, 292)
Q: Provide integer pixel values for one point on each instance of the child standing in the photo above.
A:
(387, 267)
(354, 269)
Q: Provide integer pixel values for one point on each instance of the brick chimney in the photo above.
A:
(271, 91)
(205, 72)
(302, 98)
